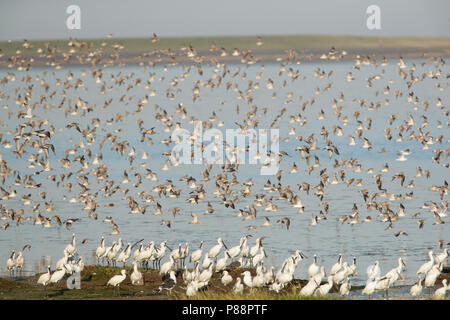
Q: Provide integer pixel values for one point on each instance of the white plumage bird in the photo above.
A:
(424, 268)
(214, 251)
(124, 255)
(325, 288)
(116, 280)
(71, 248)
(57, 275)
(101, 249)
(440, 293)
(226, 278)
(11, 263)
(369, 289)
(222, 263)
(416, 289)
(432, 275)
(337, 266)
(136, 276)
(345, 287)
(238, 286)
(44, 279)
(374, 271)
(247, 279)
(313, 268)
(197, 254)
(167, 266)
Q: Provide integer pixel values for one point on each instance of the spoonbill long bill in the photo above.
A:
(214, 251)
(44, 279)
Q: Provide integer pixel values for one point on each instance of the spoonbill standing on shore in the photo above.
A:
(116, 280)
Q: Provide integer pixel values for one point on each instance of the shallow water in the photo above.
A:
(367, 241)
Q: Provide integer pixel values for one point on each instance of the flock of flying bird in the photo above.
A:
(80, 169)
(207, 263)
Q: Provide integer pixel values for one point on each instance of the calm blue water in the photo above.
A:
(367, 241)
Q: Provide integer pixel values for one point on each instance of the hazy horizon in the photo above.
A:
(46, 19)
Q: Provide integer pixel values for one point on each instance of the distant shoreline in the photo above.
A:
(212, 50)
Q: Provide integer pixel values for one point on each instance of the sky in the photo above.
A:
(46, 19)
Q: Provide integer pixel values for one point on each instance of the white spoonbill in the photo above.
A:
(101, 249)
(206, 262)
(214, 251)
(160, 253)
(369, 289)
(206, 274)
(57, 275)
(44, 279)
(79, 266)
(269, 276)
(341, 274)
(11, 263)
(71, 248)
(169, 283)
(313, 268)
(236, 250)
(176, 253)
(254, 250)
(440, 257)
(136, 276)
(138, 252)
(222, 263)
(63, 261)
(325, 288)
(184, 254)
(424, 268)
(247, 279)
(197, 254)
(309, 288)
(111, 255)
(352, 268)
(416, 289)
(440, 293)
(20, 261)
(167, 266)
(318, 277)
(124, 255)
(383, 284)
(337, 266)
(432, 275)
(116, 280)
(226, 278)
(257, 259)
(374, 271)
(238, 286)
(258, 280)
(395, 273)
(344, 290)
